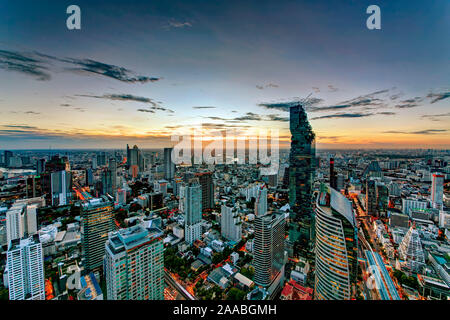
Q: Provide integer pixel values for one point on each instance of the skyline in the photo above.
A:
(137, 73)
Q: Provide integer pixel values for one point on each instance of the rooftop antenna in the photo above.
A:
(306, 102)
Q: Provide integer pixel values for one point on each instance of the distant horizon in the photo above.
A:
(283, 148)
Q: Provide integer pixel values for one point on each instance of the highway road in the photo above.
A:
(169, 280)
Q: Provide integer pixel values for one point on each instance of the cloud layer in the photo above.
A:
(37, 65)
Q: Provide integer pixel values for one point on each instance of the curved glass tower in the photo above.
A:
(336, 246)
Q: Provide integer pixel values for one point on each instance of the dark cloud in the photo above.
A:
(387, 113)
(32, 112)
(285, 106)
(24, 63)
(435, 97)
(129, 97)
(204, 107)
(424, 132)
(222, 126)
(146, 110)
(409, 103)
(249, 116)
(35, 64)
(216, 118)
(343, 115)
(174, 127)
(282, 106)
(436, 117)
(107, 70)
(19, 126)
(275, 117)
(329, 108)
(365, 102)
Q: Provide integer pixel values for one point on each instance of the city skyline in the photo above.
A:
(138, 73)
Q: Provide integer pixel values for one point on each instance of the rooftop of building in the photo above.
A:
(131, 237)
(296, 292)
(90, 288)
(330, 198)
(96, 202)
(20, 243)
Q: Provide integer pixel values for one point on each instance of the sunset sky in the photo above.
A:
(138, 71)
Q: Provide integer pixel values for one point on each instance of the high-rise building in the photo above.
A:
(21, 218)
(121, 196)
(272, 180)
(112, 165)
(410, 204)
(411, 251)
(135, 161)
(97, 220)
(437, 190)
(15, 161)
(89, 177)
(57, 163)
(128, 157)
(61, 186)
(268, 251)
(206, 182)
(107, 182)
(52, 184)
(371, 197)
(134, 264)
(169, 165)
(373, 170)
(134, 156)
(394, 189)
(261, 201)
(25, 264)
(101, 159)
(15, 222)
(340, 182)
(333, 178)
(192, 211)
(7, 157)
(33, 186)
(301, 175)
(156, 201)
(336, 246)
(230, 223)
(382, 199)
(94, 163)
(40, 166)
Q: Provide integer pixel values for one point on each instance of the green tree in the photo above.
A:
(248, 272)
(235, 294)
(4, 294)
